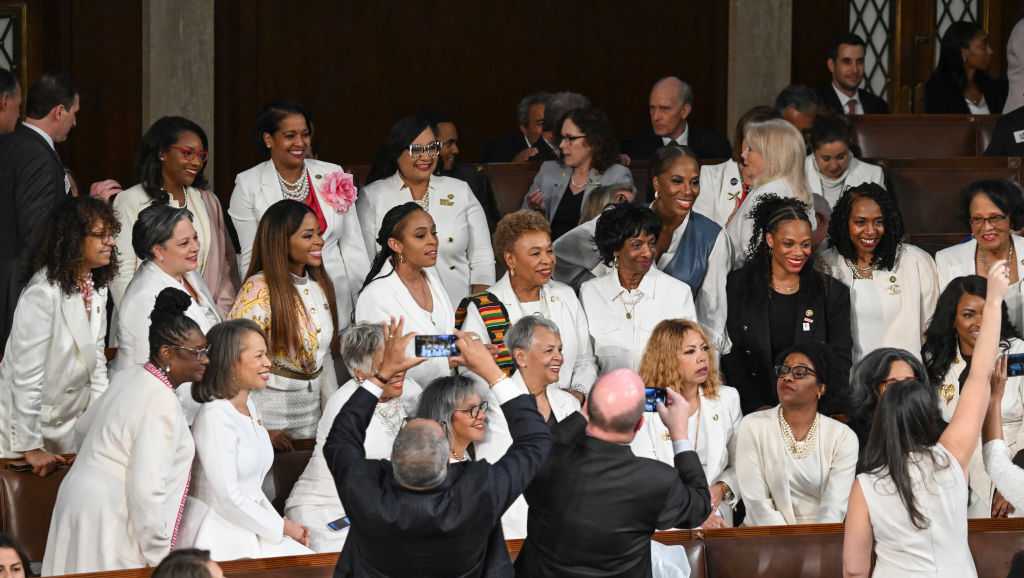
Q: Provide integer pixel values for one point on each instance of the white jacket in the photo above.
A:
(720, 186)
(858, 173)
(958, 260)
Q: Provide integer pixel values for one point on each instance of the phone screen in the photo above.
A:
(339, 524)
(653, 395)
(436, 346)
(1015, 364)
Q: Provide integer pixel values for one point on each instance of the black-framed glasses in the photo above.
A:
(993, 221)
(103, 235)
(431, 150)
(475, 411)
(797, 371)
(573, 137)
(198, 353)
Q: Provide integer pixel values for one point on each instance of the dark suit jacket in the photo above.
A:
(941, 95)
(481, 187)
(504, 149)
(594, 507)
(707, 144)
(869, 102)
(1003, 143)
(451, 530)
(31, 184)
(748, 367)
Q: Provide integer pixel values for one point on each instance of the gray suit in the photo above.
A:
(553, 178)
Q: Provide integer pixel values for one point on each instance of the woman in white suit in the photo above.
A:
(227, 512)
(55, 367)
(523, 238)
(314, 500)
(465, 260)
(402, 283)
(831, 167)
(994, 210)
(796, 466)
(680, 356)
(285, 132)
(120, 504)
(589, 155)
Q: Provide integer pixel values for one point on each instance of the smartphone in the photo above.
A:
(339, 524)
(653, 395)
(1015, 364)
(436, 346)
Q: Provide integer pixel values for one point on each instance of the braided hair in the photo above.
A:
(390, 228)
(168, 323)
(770, 212)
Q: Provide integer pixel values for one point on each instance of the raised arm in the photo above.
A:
(689, 501)
(1007, 477)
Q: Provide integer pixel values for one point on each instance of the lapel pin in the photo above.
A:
(318, 176)
(734, 181)
(809, 313)
(714, 417)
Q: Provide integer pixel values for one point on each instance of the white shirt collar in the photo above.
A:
(843, 99)
(613, 289)
(684, 139)
(42, 133)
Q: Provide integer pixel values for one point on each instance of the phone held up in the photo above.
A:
(652, 396)
(436, 346)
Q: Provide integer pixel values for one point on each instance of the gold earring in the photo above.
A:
(401, 258)
(511, 272)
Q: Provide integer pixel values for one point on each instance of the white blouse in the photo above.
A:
(621, 321)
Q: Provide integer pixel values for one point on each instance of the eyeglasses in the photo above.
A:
(573, 138)
(102, 235)
(797, 371)
(198, 353)
(475, 411)
(993, 221)
(190, 153)
(429, 150)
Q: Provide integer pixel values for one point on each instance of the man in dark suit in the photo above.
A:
(10, 101)
(594, 505)
(1008, 135)
(671, 102)
(32, 181)
(448, 165)
(844, 95)
(416, 515)
(529, 143)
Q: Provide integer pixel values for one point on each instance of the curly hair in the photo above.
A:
(660, 363)
(595, 126)
(160, 137)
(619, 223)
(515, 225)
(888, 247)
(60, 249)
(770, 212)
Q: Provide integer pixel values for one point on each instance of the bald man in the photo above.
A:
(671, 102)
(594, 505)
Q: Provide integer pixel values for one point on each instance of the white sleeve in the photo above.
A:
(712, 305)
(367, 213)
(27, 349)
(99, 381)
(1008, 478)
(751, 473)
(836, 493)
(929, 290)
(584, 372)
(481, 253)
(242, 210)
(127, 261)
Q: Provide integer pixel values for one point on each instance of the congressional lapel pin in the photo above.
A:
(318, 176)
(808, 319)
(1018, 136)
(714, 417)
(448, 202)
(734, 181)
(894, 289)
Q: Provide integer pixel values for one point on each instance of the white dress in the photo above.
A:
(940, 493)
(314, 500)
(117, 506)
(227, 512)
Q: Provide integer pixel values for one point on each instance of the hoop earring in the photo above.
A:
(615, 262)
(511, 272)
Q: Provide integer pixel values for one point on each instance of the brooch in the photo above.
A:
(947, 392)
(894, 289)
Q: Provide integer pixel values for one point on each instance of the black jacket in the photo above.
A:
(707, 144)
(823, 300)
(942, 96)
(31, 185)
(869, 102)
(504, 149)
(1004, 142)
(594, 507)
(451, 530)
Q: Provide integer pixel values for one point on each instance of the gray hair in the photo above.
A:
(520, 336)
(359, 343)
(683, 90)
(798, 96)
(420, 456)
(224, 343)
(442, 397)
(558, 105)
(155, 225)
(523, 110)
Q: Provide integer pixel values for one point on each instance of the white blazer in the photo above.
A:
(893, 308)
(720, 186)
(117, 506)
(741, 227)
(344, 255)
(499, 440)
(958, 260)
(388, 297)
(55, 368)
(579, 369)
(764, 475)
(858, 173)
(719, 420)
(464, 253)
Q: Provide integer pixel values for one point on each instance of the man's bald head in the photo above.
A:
(420, 454)
(670, 103)
(616, 402)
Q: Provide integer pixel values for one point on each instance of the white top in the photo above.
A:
(621, 321)
(980, 108)
(1007, 476)
(388, 297)
(805, 484)
(682, 140)
(720, 186)
(940, 492)
(893, 308)
(464, 253)
(857, 173)
(741, 226)
(959, 260)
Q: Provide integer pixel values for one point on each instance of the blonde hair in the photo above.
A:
(600, 198)
(784, 152)
(660, 364)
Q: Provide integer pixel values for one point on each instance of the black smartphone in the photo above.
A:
(436, 346)
(1015, 364)
(339, 524)
(653, 395)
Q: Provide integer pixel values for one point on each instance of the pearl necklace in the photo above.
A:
(424, 203)
(297, 191)
(797, 449)
(860, 272)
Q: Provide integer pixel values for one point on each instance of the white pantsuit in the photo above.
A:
(959, 260)
(857, 173)
(344, 254)
(117, 506)
(720, 186)
(464, 253)
(54, 368)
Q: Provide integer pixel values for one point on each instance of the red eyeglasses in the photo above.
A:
(190, 153)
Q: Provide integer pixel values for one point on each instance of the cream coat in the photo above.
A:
(763, 471)
(344, 254)
(720, 186)
(464, 253)
(117, 507)
(858, 173)
(958, 260)
(54, 369)
(579, 369)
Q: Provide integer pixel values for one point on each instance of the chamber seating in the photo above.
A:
(26, 505)
(919, 136)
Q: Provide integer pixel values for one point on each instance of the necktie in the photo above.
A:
(851, 106)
